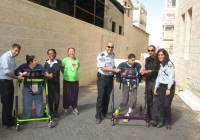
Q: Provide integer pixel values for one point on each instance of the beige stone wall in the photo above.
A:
(112, 13)
(187, 50)
(38, 28)
(134, 36)
(139, 15)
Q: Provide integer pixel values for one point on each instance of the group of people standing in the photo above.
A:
(51, 69)
(160, 87)
(159, 73)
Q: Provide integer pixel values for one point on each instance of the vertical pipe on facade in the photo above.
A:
(94, 11)
(74, 8)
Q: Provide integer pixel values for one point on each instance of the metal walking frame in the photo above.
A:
(132, 83)
(46, 117)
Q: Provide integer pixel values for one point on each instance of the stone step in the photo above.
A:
(190, 99)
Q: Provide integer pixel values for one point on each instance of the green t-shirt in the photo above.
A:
(71, 67)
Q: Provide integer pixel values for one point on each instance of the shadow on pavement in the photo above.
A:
(176, 115)
(84, 107)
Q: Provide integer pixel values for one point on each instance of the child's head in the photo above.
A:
(31, 60)
(131, 59)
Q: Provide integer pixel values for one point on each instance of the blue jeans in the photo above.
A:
(27, 103)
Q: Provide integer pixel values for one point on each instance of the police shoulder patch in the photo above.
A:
(102, 54)
(170, 64)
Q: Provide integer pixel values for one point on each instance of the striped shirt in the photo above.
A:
(7, 65)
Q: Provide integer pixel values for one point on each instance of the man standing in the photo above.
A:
(7, 67)
(150, 72)
(106, 68)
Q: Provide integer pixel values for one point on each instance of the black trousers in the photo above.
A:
(164, 103)
(70, 94)
(151, 101)
(53, 96)
(7, 98)
(104, 87)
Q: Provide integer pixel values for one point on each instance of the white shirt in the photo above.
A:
(166, 75)
(51, 63)
(105, 60)
(7, 65)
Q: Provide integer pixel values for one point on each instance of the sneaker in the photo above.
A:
(126, 120)
(75, 111)
(66, 111)
(116, 113)
(52, 124)
(168, 127)
(98, 121)
(160, 125)
(152, 123)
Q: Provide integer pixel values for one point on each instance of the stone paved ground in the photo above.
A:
(186, 124)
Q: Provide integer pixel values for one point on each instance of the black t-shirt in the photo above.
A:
(152, 64)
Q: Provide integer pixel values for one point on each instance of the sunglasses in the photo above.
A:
(110, 47)
(151, 50)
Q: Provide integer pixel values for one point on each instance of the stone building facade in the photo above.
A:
(114, 22)
(38, 28)
(139, 15)
(169, 25)
(187, 45)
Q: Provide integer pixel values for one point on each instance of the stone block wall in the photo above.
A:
(38, 28)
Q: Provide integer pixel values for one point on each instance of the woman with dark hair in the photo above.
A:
(71, 66)
(53, 68)
(165, 88)
(31, 90)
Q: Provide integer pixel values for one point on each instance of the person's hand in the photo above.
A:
(142, 71)
(22, 74)
(167, 92)
(20, 77)
(117, 70)
(49, 75)
(155, 92)
(123, 74)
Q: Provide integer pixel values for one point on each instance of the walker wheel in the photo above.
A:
(147, 125)
(114, 121)
(17, 127)
(52, 124)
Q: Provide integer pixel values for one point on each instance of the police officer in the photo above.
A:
(151, 72)
(106, 68)
(165, 88)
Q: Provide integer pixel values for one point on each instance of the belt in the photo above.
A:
(4, 80)
(165, 85)
(99, 75)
